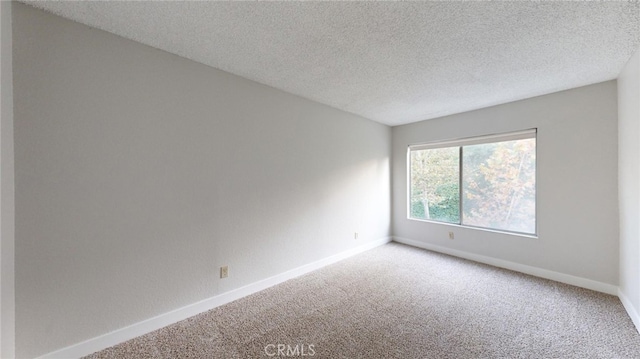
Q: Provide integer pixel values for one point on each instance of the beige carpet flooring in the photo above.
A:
(397, 301)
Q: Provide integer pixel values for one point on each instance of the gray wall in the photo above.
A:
(577, 209)
(7, 208)
(629, 185)
(140, 173)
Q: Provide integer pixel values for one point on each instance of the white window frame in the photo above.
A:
(467, 141)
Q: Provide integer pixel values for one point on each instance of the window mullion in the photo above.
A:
(460, 185)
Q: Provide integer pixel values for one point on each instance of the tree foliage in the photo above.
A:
(499, 185)
(435, 184)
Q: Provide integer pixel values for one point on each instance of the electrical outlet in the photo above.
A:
(355, 235)
(450, 235)
(224, 272)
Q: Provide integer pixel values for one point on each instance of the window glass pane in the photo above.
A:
(499, 185)
(435, 185)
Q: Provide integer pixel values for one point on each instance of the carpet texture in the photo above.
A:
(397, 301)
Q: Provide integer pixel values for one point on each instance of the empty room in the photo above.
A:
(199, 179)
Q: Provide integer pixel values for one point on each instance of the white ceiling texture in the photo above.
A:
(391, 62)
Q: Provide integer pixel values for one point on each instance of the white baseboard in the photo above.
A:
(146, 326)
(534, 271)
(631, 310)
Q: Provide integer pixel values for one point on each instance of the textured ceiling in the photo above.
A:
(392, 62)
